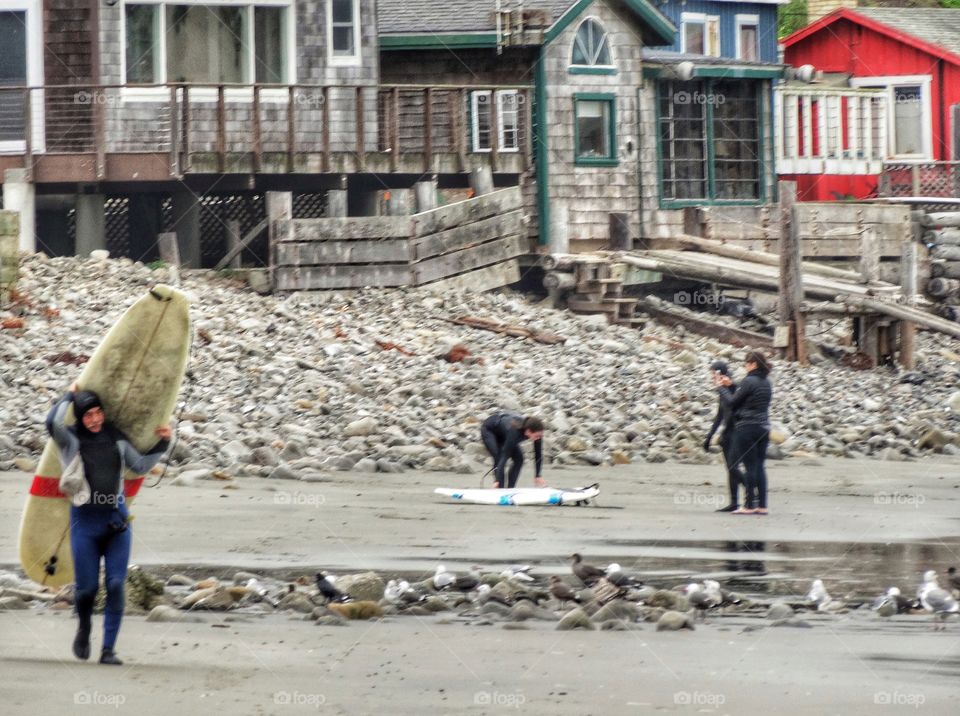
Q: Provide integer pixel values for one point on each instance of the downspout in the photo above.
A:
(540, 148)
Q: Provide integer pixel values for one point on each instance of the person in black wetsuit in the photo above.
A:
(750, 405)
(99, 520)
(724, 420)
(502, 434)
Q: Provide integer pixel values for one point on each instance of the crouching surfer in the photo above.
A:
(99, 520)
(502, 434)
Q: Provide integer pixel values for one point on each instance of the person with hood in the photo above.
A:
(99, 520)
(724, 421)
(502, 434)
(750, 406)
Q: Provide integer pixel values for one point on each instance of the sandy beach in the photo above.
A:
(858, 525)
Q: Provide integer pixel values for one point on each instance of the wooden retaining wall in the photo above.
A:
(473, 244)
(829, 230)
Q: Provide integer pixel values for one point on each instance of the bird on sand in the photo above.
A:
(467, 582)
(587, 573)
(519, 572)
(562, 591)
(617, 576)
(818, 595)
(937, 601)
(702, 599)
(327, 590)
(442, 579)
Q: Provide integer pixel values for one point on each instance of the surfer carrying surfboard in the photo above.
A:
(99, 520)
(502, 434)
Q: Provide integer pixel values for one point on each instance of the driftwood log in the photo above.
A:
(508, 329)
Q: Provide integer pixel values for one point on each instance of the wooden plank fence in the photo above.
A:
(826, 229)
(472, 244)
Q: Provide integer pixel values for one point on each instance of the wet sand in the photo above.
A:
(655, 519)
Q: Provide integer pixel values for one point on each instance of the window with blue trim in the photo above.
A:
(590, 46)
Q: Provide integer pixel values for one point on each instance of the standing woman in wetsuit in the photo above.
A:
(502, 434)
(724, 422)
(99, 520)
(750, 405)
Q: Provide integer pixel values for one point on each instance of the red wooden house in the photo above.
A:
(893, 125)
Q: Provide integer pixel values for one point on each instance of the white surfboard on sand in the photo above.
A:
(136, 370)
(518, 496)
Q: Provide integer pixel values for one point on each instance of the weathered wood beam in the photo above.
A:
(732, 335)
(242, 244)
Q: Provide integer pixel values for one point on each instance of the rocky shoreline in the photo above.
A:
(298, 386)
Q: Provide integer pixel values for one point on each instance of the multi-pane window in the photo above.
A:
(590, 46)
(508, 120)
(344, 34)
(595, 130)
(709, 140)
(700, 34)
(214, 44)
(909, 124)
(13, 73)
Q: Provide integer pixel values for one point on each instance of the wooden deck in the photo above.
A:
(163, 132)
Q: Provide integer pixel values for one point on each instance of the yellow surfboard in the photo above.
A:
(136, 370)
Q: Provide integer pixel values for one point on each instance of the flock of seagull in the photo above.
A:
(612, 582)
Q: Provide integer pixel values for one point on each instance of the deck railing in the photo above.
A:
(268, 128)
(830, 131)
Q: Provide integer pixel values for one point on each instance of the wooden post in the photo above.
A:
(257, 139)
(361, 128)
(426, 192)
(494, 129)
(325, 129)
(428, 130)
(170, 254)
(394, 127)
(869, 333)
(185, 164)
(99, 131)
(28, 134)
(620, 232)
(174, 133)
(908, 282)
(915, 179)
(232, 231)
(458, 113)
(221, 129)
(481, 179)
(279, 215)
(791, 274)
(292, 128)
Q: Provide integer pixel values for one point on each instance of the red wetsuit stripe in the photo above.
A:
(46, 487)
(50, 487)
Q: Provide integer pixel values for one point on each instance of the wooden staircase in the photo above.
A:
(598, 288)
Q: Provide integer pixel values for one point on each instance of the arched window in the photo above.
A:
(590, 47)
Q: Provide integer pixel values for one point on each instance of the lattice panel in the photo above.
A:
(116, 222)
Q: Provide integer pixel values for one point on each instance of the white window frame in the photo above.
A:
(133, 93)
(34, 20)
(742, 21)
(700, 18)
(606, 35)
(356, 58)
(501, 133)
(890, 83)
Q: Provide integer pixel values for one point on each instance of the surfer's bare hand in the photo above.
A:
(539, 482)
(164, 432)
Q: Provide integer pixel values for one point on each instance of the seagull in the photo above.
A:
(886, 605)
(518, 572)
(616, 576)
(442, 578)
(587, 573)
(329, 592)
(562, 591)
(469, 582)
(261, 591)
(818, 595)
(937, 601)
(701, 599)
